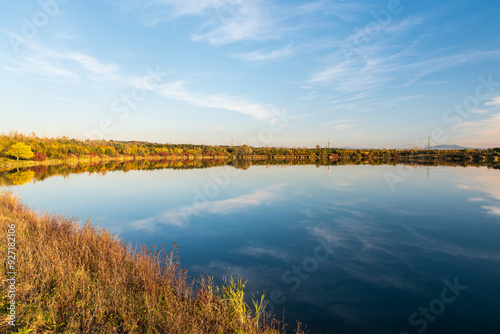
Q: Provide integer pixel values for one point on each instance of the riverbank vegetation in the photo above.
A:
(17, 150)
(82, 279)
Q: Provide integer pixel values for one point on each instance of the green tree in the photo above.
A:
(20, 150)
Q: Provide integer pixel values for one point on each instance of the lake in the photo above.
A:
(343, 249)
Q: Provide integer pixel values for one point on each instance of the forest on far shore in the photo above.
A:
(31, 147)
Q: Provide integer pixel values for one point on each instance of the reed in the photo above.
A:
(83, 279)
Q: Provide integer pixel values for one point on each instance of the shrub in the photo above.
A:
(39, 157)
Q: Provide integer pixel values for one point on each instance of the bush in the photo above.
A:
(39, 157)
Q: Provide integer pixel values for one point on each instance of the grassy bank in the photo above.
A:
(75, 279)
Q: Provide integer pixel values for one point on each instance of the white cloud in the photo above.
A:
(48, 63)
(177, 91)
(360, 75)
(187, 7)
(43, 68)
(365, 63)
(483, 133)
(480, 111)
(436, 64)
(92, 64)
(365, 36)
(68, 66)
(261, 55)
(373, 68)
(221, 21)
(238, 20)
(494, 101)
(330, 73)
(227, 21)
(340, 124)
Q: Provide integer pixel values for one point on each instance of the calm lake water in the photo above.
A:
(336, 247)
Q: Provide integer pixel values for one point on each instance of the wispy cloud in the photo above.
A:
(187, 7)
(362, 54)
(340, 124)
(227, 21)
(33, 66)
(221, 21)
(51, 64)
(361, 38)
(376, 66)
(483, 132)
(487, 130)
(263, 56)
(354, 77)
(91, 64)
(71, 67)
(494, 102)
(480, 111)
(178, 91)
(238, 20)
(436, 64)
(366, 62)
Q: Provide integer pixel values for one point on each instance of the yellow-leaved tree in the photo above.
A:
(20, 150)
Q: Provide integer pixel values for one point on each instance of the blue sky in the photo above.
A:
(283, 73)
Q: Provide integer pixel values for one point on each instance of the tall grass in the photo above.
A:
(75, 279)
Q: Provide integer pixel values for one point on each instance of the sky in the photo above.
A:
(381, 74)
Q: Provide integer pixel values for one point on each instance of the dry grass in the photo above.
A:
(84, 280)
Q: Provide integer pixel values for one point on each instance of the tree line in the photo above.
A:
(31, 147)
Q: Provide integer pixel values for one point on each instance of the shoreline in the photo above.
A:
(72, 278)
(8, 164)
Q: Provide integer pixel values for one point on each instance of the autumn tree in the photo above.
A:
(242, 150)
(20, 150)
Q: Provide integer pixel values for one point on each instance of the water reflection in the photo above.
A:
(202, 206)
(489, 186)
(381, 254)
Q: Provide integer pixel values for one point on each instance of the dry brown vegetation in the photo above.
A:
(75, 279)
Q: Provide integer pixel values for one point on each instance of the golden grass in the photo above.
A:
(75, 279)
